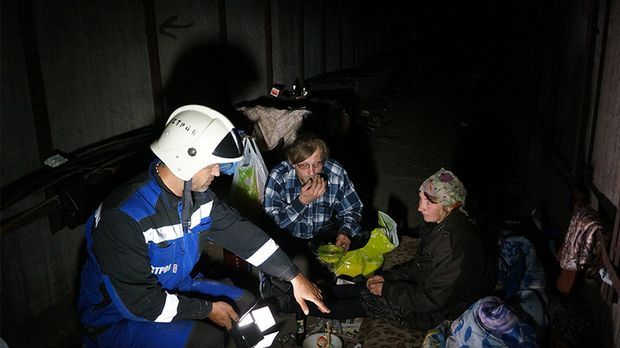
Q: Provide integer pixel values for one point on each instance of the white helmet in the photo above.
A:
(195, 137)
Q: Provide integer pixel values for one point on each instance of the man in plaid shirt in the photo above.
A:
(312, 199)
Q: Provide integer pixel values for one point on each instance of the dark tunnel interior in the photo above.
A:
(515, 97)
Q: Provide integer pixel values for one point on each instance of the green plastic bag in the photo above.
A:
(249, 181)
(246, 184)
(368, 259)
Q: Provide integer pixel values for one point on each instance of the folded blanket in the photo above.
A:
(521, 279)
(487, 323)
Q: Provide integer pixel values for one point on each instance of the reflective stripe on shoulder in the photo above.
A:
(158, 235)
(203, 212)
(170, 309)
(263, 253)
(98, 214)
(172, 232)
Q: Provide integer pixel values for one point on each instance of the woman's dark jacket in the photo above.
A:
(451, 270)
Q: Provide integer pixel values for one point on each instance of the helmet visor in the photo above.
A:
(230, 147)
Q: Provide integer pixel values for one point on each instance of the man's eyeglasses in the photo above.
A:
(305, 166)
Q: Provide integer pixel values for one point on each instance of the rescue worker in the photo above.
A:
(145, 239)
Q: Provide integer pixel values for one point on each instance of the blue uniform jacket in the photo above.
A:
(140, 259)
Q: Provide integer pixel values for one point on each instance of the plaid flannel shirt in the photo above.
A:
(339, 205)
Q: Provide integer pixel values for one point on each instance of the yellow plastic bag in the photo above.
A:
(368, 259)
(330, 253)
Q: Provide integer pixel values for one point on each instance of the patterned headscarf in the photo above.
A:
(445, 188)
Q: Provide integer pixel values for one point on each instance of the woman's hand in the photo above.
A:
(303, 290)
(223, 314)
(375, 284)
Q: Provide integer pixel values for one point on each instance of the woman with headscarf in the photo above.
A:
(451, 269)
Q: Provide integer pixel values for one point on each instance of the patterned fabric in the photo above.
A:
(446, 188)
(519, 267)
(436, 337)
(271, 124)
(487, 323)
(584, 242)
(405, 251)
(521, 278)
(383, 333)
(339, 207)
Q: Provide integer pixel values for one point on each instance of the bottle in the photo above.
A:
(300, 329)
(295, 88)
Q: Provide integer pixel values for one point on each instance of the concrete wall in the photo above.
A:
(86, 79)
(606, 151)
(313, 38)
(606, 145)
(95, 69)
(559, 86)
(333, 35)
(20, 155)
(571, 114)
(190, 53)
(287, 41)
(246, 22)
(572, 83)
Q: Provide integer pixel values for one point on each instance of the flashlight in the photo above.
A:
(249, 330)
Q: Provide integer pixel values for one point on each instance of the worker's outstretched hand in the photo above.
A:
(223, 314)
(304, 290)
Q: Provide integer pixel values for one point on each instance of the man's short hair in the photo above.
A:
(304, 146)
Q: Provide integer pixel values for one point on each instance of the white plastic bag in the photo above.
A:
(249, 180)
(390, 227)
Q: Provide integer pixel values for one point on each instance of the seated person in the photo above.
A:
(450, 271)
(312, 201)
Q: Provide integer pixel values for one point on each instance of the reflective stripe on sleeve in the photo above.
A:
(263, 253)
(170, 309)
